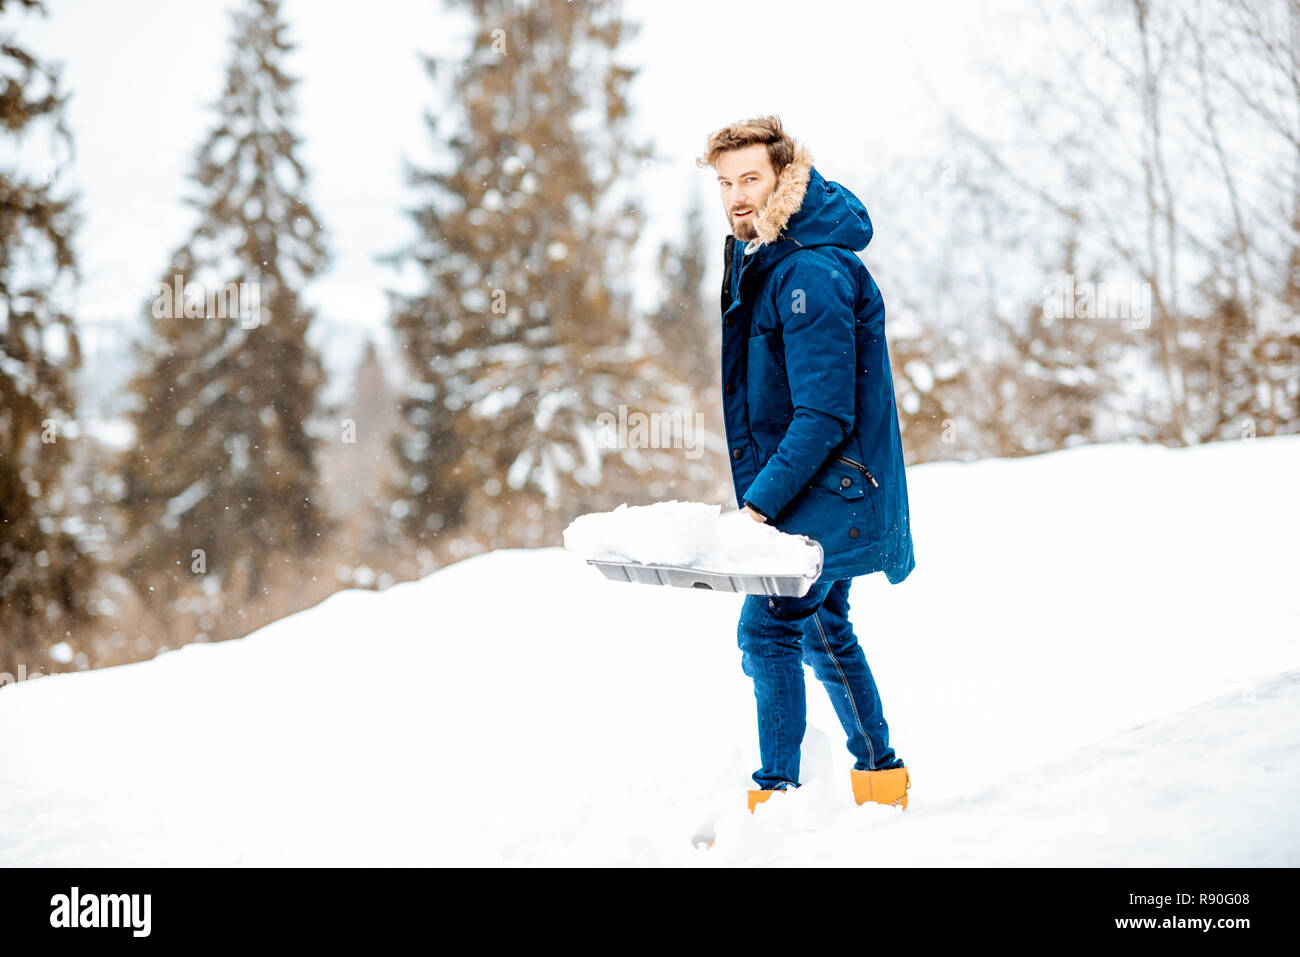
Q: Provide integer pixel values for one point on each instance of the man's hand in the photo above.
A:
(754, 513)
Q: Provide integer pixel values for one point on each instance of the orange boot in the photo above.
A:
(758, 797)
(883, 787)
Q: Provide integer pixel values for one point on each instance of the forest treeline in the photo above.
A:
(1112, 252)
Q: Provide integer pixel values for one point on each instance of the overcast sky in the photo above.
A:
(143, 74)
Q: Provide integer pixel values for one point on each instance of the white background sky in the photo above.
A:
(846, 77)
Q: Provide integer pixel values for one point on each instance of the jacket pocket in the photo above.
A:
(858, 520)
(834, 508)
(861, 468)
(842, 479)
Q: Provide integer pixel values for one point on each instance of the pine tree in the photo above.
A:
(45, 573)
(221, 484)
(520, 338)
(356, 471)
(370, 404)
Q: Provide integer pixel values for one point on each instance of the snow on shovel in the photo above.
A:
(693, 545)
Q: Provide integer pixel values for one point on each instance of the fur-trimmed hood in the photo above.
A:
(804, 209)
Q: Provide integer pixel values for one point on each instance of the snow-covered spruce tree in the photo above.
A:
(523, 334)
(221, 486)
(45, 573)
(356, 472)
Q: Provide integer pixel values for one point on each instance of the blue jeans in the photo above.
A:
(776, 636)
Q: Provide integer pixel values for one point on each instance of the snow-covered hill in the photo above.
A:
(1096, 661)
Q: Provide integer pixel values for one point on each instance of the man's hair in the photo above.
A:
(760, 129)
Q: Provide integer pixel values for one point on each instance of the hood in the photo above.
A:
(806, 210)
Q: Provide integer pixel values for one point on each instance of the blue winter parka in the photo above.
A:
(808, 397)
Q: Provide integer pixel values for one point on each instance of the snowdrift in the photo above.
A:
(1096, 661)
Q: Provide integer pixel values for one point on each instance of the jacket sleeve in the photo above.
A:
(814, 303)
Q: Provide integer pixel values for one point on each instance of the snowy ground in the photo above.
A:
(1096, 661)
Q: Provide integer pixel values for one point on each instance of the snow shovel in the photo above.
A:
(687, 576)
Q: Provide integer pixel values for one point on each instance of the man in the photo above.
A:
(812, 429)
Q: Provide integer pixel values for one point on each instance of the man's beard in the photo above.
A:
(744, 228)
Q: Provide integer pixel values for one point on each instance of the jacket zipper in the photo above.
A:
(861, 468)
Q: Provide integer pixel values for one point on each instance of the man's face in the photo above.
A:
(746, 179)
